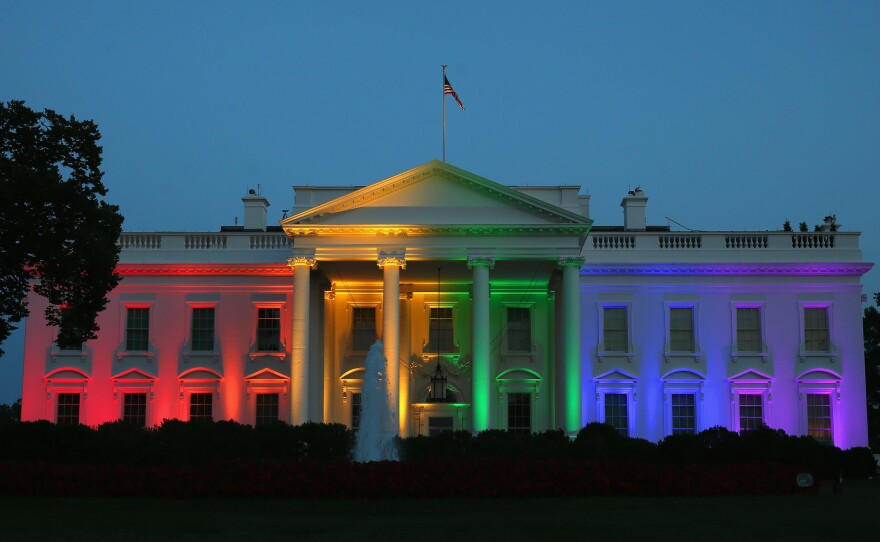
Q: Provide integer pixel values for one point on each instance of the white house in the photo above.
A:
(525, 315)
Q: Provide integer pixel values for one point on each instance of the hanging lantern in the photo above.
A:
(438, 386)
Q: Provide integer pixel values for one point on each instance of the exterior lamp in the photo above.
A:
(438, 386)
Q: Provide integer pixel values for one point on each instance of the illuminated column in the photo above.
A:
(391, 266)
(405, 353)
(571, 343)
(480, 342)
(299, 350)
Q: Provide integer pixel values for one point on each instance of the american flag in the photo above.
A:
(447, 89)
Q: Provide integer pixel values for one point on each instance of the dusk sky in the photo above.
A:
(730, 115)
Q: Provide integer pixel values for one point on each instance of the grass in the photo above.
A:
(850, 515)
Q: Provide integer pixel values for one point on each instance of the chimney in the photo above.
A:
(634, 217)
(255, 207)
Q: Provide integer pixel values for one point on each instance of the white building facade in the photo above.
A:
(498, 307)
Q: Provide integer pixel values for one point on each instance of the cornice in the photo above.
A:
(265, 270)
(506, 230)
(732, 268)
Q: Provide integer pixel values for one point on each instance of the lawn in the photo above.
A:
(850, 515)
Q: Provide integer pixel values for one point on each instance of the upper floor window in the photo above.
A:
(268, 329)
(363, 328)
(202, 339)
(519, 329)
(615, 332)
(748, 329)
(816, 333)
(440, 334)
(72, 343)
(137, 328)
(681, 329)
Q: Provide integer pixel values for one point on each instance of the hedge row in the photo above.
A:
(457, 478)
(199, 443)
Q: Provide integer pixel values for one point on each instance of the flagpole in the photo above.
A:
(443, 96)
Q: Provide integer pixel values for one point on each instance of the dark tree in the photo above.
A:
(57, 235)
(871, 326)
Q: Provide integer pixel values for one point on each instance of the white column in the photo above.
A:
(299, 350)
(391, 266)
(481, 367)
(571, 344)
(405, 353)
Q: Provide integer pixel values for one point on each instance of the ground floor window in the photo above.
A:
(819, 417)
(201, 406)
(68, 409)
(684, 414)
(751, 411)
(439, 424)
(519, 413)
(134, 408)
(267, 409)
(355, 411)
(617, 413)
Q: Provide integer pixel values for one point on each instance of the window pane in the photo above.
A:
(201, 406)
(519, 413)
(816, 329)
(440, 336)
(68, 409)
(519, 329)
(684, 417)
(681, 329)
(751, 411)
(134, 408)
(137, 329)
(748, 330)
(355, 411)
(616, 414)
(439, 424)
(267, 408)
(616, 336)
(203, 329)
(819, 417)
(364, 328)
(269, 329)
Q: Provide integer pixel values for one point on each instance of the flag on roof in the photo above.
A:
(447, 89)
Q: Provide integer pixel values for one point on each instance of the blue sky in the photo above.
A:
(731, 115)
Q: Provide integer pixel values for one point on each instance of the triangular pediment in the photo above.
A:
(750, 375)
(615, 375)
(267, 374)
(433, 196)
(133, 374)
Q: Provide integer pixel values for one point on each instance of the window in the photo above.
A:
(355, 411)
(440, 333)
(751, 411)
(519, 413)
(819, 417)
(681, 329)
(268, 329)
(615, 329)
(267, 409)
(748, 329)
(68, 409)
(202, 339)
(439, 424)
(363, 328)
(134, 408)
(816, 329)
(137, 328)
(519, 329)
(684, 414)
(73, 345)
(616, 412)
(201, 406)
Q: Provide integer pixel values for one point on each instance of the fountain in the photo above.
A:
(375, 437)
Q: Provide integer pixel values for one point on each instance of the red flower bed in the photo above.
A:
(499, 477)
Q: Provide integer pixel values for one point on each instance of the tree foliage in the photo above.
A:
(871, 327)
(57, 235)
